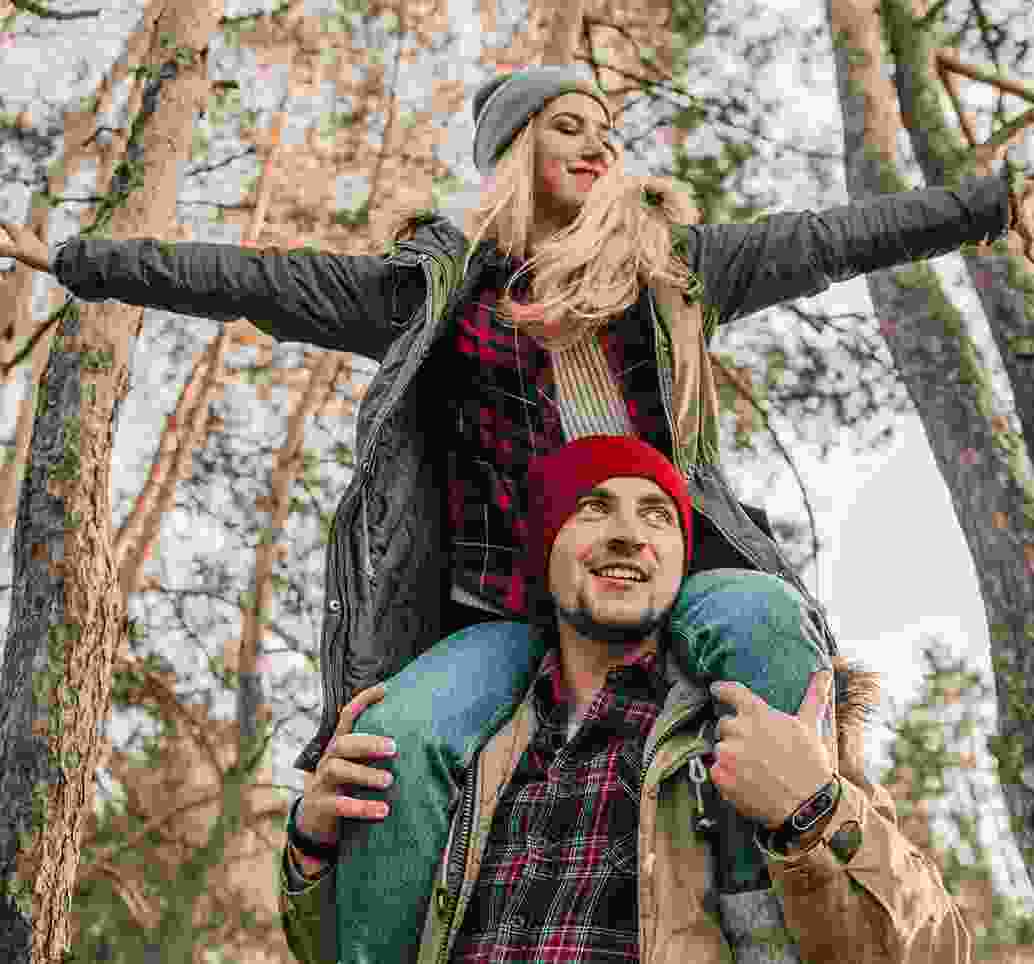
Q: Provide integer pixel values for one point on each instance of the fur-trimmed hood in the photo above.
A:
(858, 693)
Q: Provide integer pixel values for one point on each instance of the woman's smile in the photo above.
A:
(584, 179)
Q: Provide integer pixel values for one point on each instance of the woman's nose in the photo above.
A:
(594, 145)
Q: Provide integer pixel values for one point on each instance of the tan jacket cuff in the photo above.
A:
(839, 841)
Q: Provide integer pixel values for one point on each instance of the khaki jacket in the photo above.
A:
(863, 895)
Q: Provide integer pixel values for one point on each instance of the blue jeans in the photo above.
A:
(727, 624)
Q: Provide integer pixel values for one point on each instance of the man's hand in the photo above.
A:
(345, 764)
(768, 763)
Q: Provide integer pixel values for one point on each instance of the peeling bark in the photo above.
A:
(68, 614)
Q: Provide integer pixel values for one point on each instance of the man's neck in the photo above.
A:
(585, 664)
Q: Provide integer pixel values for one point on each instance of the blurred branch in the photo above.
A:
(742, 387)
(28, 6)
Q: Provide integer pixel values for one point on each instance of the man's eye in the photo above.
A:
(657, 508)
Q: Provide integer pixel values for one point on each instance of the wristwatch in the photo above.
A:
(308, 846)
(809, 813)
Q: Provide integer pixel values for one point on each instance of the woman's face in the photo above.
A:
(573, 144)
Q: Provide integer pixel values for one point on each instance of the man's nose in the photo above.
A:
(627, 527)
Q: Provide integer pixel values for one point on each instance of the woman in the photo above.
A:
(404, 569)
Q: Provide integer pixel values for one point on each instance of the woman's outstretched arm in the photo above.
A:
(748, 267)
(354, 303)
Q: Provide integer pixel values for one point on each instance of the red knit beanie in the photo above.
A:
(556, 482)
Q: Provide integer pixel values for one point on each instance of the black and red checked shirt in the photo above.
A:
(504, 412)
(558, 880)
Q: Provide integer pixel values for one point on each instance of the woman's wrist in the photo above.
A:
(307, 865)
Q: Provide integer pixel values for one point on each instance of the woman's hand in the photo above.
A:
(1021, 235)
(326, 801)
(676, 196)
(1020, 238)
(20, 243)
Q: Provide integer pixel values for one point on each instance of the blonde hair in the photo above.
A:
(593, 268)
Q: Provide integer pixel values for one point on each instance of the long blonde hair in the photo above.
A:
(593, 268)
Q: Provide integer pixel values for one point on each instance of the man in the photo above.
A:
(577, 839)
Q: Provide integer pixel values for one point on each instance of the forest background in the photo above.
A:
(313, 123)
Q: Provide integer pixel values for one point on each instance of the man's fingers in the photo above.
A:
(359, 703)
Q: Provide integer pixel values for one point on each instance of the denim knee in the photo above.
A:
(750, 627)
(456, 695)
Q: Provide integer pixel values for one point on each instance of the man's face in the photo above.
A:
(622, 521)
(570, 131)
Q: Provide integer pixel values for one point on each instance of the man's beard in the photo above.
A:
(585, 624)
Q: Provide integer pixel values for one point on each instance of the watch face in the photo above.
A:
(813, 810)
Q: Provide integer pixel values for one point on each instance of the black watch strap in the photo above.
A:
(809, 813)
(308, 846)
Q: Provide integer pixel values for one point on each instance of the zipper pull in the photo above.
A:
(702, 823)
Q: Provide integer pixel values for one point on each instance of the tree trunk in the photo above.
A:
(67, 614)
(982, 465)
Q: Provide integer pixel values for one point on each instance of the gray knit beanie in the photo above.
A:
(503, 105)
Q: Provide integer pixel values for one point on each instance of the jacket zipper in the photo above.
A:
(453, 869)
(669, 728)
